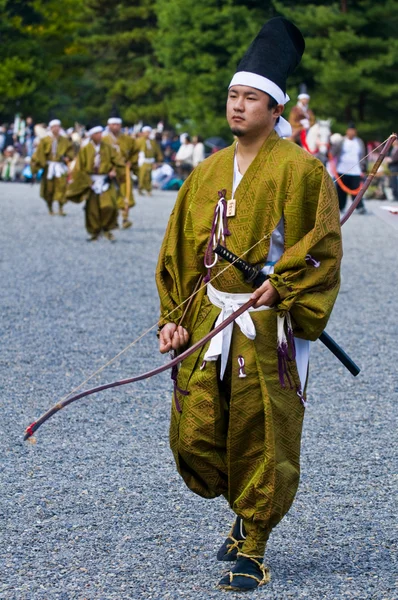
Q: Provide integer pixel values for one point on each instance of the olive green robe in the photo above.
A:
(128, 149)
(101, 209)
(241, 437)
(151, 150)
(52, 189)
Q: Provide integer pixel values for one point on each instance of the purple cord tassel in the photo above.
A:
(241, 363)
(310, 260)
(283, 357)
(300, 394)
(283, 348)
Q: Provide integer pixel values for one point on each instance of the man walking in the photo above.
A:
(149, 154)
(53, 154)
(93, 180)
(236, 423)
(127, 147)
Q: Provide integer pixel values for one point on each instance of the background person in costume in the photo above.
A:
(301, 116)
(53, 154)
(127, 147)
(149, 154)
(239, 404)
(94, 180)
(349, 153)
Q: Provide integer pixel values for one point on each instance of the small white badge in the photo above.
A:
(231, 207)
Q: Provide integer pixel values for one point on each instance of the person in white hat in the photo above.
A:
(149, 154)
(9, 164)
(239, 401)
(53, 154)
(98, 167)
(128, 149)
(301, 117)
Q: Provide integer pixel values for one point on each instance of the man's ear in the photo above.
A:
(278, 110)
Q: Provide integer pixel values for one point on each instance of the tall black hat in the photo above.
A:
(115, 116)
(303, 92)
(271, 58)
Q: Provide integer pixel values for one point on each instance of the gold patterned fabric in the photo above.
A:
(240, 437)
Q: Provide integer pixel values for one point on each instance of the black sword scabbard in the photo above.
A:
(254, 275)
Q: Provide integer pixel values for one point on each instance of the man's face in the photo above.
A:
(115, 128)
(248, 112)
(351, 133)
(305, 101)
(146, 134)
(96, 137)
(55, 129)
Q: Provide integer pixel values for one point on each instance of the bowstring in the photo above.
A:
(228, 266)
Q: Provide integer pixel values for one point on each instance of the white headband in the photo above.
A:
(146, 128)
(114, 121)
(303, 96)
(97, 129)
(54, 122)
(260, 83)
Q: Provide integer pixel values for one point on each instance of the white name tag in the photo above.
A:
(231, 207)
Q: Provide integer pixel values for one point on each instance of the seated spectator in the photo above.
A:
(10, 167)
(162, 175)
(198, 150)
(184, 157)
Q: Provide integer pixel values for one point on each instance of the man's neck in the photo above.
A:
(248, 148)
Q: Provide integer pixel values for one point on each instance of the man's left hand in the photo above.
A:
(266, 295)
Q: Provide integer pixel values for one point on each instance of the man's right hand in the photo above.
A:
(172, 337)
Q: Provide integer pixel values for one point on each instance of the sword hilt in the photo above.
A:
(252, 273)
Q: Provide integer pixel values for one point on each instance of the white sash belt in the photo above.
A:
(56, 169)
(99, 183)
(229, 303)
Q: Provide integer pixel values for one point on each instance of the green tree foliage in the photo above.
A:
(120, 44)
(198, 46)
(350, 63)
(173, 59)
(38, 63)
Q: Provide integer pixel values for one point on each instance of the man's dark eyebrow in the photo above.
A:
(250, 93)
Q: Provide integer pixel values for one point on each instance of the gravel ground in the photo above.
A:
(95, 510)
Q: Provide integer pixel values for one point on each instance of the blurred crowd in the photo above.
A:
(180, 152)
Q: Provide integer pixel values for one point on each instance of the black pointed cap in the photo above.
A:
(275, 52)
(115, 113)
(303, 89)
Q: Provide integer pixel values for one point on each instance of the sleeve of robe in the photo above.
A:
(179, 266)
(39, 159)
(118, 164)
(158, 153)
(308, 292)
(133, 156)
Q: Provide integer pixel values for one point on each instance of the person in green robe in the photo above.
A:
(128, 149)
(239, 402)
(149, 153)
(96, 177)
(53, 154)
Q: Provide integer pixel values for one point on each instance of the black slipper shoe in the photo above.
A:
(248, 574)
(230, 548)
